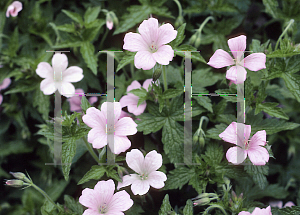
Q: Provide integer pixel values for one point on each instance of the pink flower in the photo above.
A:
(150, 44)
(102, 200)
(5, 83)
(123, 127)
(258, 211)
(75, 101)
(279, 204)
(130, 100)
(237, 46)
(14, 9)
(61, 81)
(109, 24)
(236, 155)
(146, 168)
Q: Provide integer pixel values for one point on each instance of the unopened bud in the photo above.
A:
(193, 39)
(156, 74)
(18, 175)
(202, 201)
(197, 42)
(109, 21)
(241, 196)
(202, 141)
(179, 21)
(195, 138)
(234, 195)
(291, 151)
(14, 183)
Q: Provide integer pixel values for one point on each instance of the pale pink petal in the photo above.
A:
(147, 83)
(9, 10)
(94, 118)
(44, 70)
(114, 212)
(127, 180)
(93, 99)
(129, 99)
(121, 144)
(72, 74)
(237, 44)
(96, 133)
(258, 139)
(232, 74)
(75, 104)
(134, 85)
(125, 126)
(89, 198)
(134, 42)
(100, 141)
(244, 213)
(164, 55)
(109, 24)
(90, 212)
(48, 86)
(166, 34)
(276, 204)
(135, 160)
(255, 62)
(1, 99)
(116, 107)
(144, 60)
(66, 89)
(247, 131)
(5, 83)
(59, 62)
(236, 155)
(156, 179)
(263, 211)
(258, 155)
(14, 9)
(220, 59)
(149, 30)
(104, 191)
(137, 110)
(153, 161)
(230, 134)
(79, 91)
(289, 204)
(120, 201)
(140, 187)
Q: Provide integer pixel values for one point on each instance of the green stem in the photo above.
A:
(91, 151)
(103, 38)
(179, 7)
(45, 195)
(284, 32)
(214, 206)
(204, 23)
(203, 118)
(165, 81)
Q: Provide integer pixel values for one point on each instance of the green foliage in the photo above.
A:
(87, 50)
(166, 208)
(188, 209)
(258, 174)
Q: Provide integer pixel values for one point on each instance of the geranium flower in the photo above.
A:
(109, 24)
(150, 44)
(102, 200)
(279, 204)
(237, 46)
(14, 9)
(258, 155)
(123, 127)
(63, 84)
(130, 100)
(5, 83)
(146, 172)
(258, 211)
(75, 101)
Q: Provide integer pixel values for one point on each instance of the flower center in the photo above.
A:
(246, 144)
(143, 176)
(109, 130)
(153, 47)
(103, 209)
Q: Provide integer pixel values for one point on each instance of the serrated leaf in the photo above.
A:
(171, 93)
(87, 51)
(140, 92)
(215, 153)
(68, 152)
(73, 205)
(179, 37)
(68, 45)
(258, 174)
(91, 14)
(271, 7)
(96, 172)
(188, 209)
(292, 82)
(165, 208)
(205, 102)
(272, 190)
(178, 177)
(271, 109)
(127, 59)
(149, 123)
(42, 103)
(66, 27)
(214, 132)
(75, 16)
(294, 210)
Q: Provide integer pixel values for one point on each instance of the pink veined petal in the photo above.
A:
(1, 99)
(220, 59)
(137, 110)
(153, 161)
(229, 134)
(232, 74)
(164, 55)
(104, 191)
(97, 133)
(14, 9)
(147, 82)
(48, 86)
(255, 62)
(236, 155)
(116, 106)
(156, 179)
(258, 139)
(72, 74)
(237, 44)
(66, 89)
(149, 30)
(121, 144)
(90, 212)
(9, 10)
(242, 136)
(94, 118)
(166, 34)
(289, 204)
(134, 85)
(100, 141)
(120, 201)
(244, 213)
(44, 70)
(129, 99)
(89, 199)
(140, 187)
(59, 62)
(258, 155)
(93, 99)
(134, 42)
(125, 126)
(276, 204)
(144, 60)
(5, 83)
(135, 160)
(127, 180)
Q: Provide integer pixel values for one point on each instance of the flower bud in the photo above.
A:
(193, 39)
(156, 74)
(197, 42)
(21, 176)
(14, 183)
(202, 141)
(179, 21)
(202, 201)
(109, 21)
(195, 138)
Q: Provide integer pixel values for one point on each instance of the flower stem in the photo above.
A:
(214, 206)
(165, 81)
(104, 37)
(91, 151)
(284, 32)
(179, 7)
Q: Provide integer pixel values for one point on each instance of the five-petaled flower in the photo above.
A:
(75, 101)
(258, 155)
(58, 77)
(150, 44)
(130, 100)
(102, 200)
(146, 168)
(237, 46)
(5, 83)
(258, 211)
(123, 127)
(14, 9)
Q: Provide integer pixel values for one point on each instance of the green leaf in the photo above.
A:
(165, 208)
(171, 93)
(258, 174)
(68, 45)
(204, 78)
(214, 132)
(178, 177)
(14, 43)
(136, 209)
(66, 27)
(271, 7)
(214, 153)
(140, 92)
(294, 210)
(96, 172)
(180, 36)
(292, 82)
(75, 16)
(68, 152)
(87, 51)
(272, 190)
(204, 101)
(73, 205)
(48, 208)
(194, 54)
(188, 209)
(54, 192)
(271, 109)
(42, 103)
(91, 14)
(149, 123)
(85, 104)
(127, 59)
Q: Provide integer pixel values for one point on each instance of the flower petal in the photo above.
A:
(156, 179)
(97, 137)
(135, 160)
(48, 86)
(104, 191)
(5, 83)
(94, 118)
(89, 198)
(129, 99)
(289, 204)
(134, 85)
(258, 139)
(153, 161)
(93, 99)
(72, 74)
(137, 110)
(164, 55)
(232, 74)
(244, 213)
(14, 9)
(59, 62)
(120, 201)
(140, 187)
(229, 134)
(125, 126)
(116, 107)
(149, 30)
(236, 155)
(66, 89)
(220, 59)
(144, 60)
(237, 45)
(127, 180)
(44, 70)
(90, 212)
(258, 155)
(121, 144)
(134, 42)
(276, 204)
(147, 82)
(1, 99)
(166, 34)
(255, 62)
